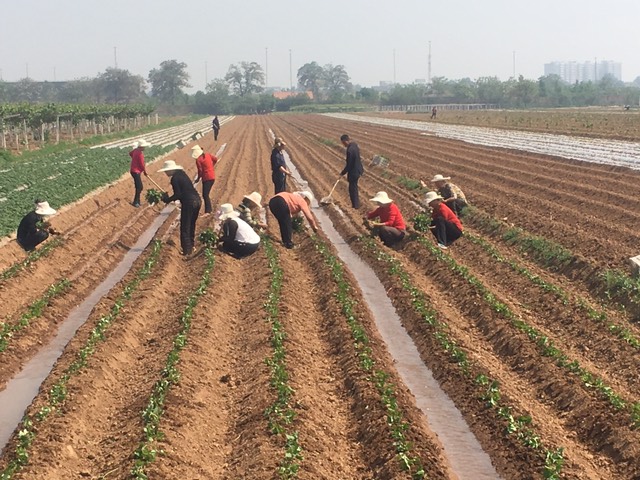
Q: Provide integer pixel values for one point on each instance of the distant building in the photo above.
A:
(572, 72)
(281, 95)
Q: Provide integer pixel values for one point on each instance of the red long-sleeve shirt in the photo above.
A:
(137, 161)
(389, 215)
(445, 212)
(205, 163)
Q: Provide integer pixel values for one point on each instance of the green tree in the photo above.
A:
(245, 79)
(311, 77)
(168, 81)
(368, 95)
(490, 90)
(523, 91)
(120, 86)
(337, 82)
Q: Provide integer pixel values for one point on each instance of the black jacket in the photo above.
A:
(183, 188)
(353, 168)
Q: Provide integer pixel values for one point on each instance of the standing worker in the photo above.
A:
(445, 226)
(434, 112)
(353, 169)
(279, 170)
(215, 125)
(34, 228)
(284, 206)
(184, 191)
(206, 172)
(451, 193)
(238, 238)
(138, 167)
(391, 227)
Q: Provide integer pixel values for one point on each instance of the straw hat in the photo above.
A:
(255, 198)
(227, 211)
(439, 178)
(431, 196)
(305, 194)
(43, 208)
(170, 165)
(143, 143)
(196, 151)
(277, 142)
(382, 198)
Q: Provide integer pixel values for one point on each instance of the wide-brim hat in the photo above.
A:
(431, 196)
(439, 178)
(227, 211)
(170, 165)
(43, 208)
(196, 151)
(143, 143)
(382, 198)
(305, 194)
(255, 198)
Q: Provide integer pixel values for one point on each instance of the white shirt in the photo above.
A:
(245, 233)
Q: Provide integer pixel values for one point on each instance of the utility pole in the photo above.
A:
(290, 73)
(595, 70)
(394, 66)
(115, 57)
(27, 69)
(266, 67)
(429, 65)
(206, 75)
(54, 74)
(514, 64)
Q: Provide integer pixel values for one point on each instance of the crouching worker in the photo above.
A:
(34, 228)
(237, 237)
(391, 227)
(284, 206)
(250, 210)
(445, 225)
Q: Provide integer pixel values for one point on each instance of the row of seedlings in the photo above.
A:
(394, 415)
(27, 430)
(8, 330)
(17, 267)
(147, 450)
(280, 415)
(487, 389)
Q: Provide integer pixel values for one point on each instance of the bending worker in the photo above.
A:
(284, 206)
(391, 227)
(450, 193)
(238, 238)
(250, 210)
(445, 226)
(34, 228)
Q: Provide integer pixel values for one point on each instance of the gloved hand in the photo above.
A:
(165, 197)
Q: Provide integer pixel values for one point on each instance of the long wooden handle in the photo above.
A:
(154, 182)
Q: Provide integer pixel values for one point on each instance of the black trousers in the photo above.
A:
(240, 249)
(137, 182)
(445, 232)
(280, 210)
(390, 235)
(353, 191)
(279, 180)
(32, 241)
(190, 208)
(456, 206)
(215, 133)
(206, 189)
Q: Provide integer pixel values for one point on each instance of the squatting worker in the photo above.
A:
(279, 170)
(184, 191)
(451, 193)
(391, 227)
(249, 208)
(206, 172)
(215, 126)
(238, 238)
(353, 169)
(138, 168)
(284, 206)
(445, 225)
(34, 228)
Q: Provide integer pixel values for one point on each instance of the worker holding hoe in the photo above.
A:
(206, 172)
(137, 168)
(184, 191)
(34, 227)
(285, 205)
(353, 169)
(391, 227)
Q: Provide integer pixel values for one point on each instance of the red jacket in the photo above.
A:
(445, 212)
(205, 163)
(389, 215)
(137, 161)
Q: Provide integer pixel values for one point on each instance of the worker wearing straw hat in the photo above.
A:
(450, 193)
(251, 205)
(284, 206)
(137, 168)
(238, 238)
(391, 228)
(445, 225)
(184, 191)
(206, 172)
(34, 228)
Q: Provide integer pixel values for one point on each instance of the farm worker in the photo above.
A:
(206, 173)
(137, 168)
(285, 205)
(34, 228)
(451, 193)
(279, 170)
(238, 238)
(434, 112)
(353, 169)
(391, 227)
(215, 125)
(251, 204)
(184, 191)
(445, 225)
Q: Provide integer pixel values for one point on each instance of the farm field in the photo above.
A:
(272, 367)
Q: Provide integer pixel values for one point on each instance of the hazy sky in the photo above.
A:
(469, 38)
